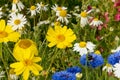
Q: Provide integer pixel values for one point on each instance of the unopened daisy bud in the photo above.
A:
(53, 69)
(117, 38)
(111, 29)
(78, 75)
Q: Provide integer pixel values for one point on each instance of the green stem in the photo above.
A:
(4, 63)
(53, 57)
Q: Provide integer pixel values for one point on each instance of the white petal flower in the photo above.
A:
(41, 6)
(17, 21)
(83, 47)
(62, 16)
(108, 68)
(58, 8)
(17, 4)
(116, 70)
(96, 22)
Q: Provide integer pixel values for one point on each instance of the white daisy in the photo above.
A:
(116, 70)
(33, 10)
(62, 16)
(108, 68)
(17, 4)
(96, 22)
(84, 18)
(58, 8)
(83, 47)
(17, 21)
(41, 6)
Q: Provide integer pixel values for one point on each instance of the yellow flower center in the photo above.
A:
(96, 19)
(63, 13)
(3, 34)
(82, 44)
(108, 65)
(32, 8)
(25, 44)
(27, 62)
(60, 38)
(83, 14)
(15, 1)
(17, 22)
(97, 52)
(42, 5)
(59, 8)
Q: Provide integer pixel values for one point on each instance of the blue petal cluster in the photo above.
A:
(92, 60)
(114, 58)
(63, 75)
(74, 69)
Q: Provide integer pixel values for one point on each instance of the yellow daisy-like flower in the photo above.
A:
(60, 36)
(7, 34)
(24, 46)
(25, 64)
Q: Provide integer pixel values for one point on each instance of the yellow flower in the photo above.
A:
(24, 46)
(7, 34)
(25, 64)
(60, 36)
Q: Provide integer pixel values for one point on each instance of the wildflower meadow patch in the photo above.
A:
(60, 40)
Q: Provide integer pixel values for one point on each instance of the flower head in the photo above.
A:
(58, 8)
(92, 60)
(116, 70)
(41, 6)
(62, 16)
(108, 68)
(23, 46)
(83, 47)
(25, 64)
(74, 69)
(114, 58)
(33, 10)
(7, 34)
(63, 75)
(96, 22)
(17, 4)
(17, 21)
(60, 36)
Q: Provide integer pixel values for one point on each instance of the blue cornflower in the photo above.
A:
(114, 58)
(92, 60)
(63, 75)
(74, 69)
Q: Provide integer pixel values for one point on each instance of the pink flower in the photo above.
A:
(117, 3)
(117, 17)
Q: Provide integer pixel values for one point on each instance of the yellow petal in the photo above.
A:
(34, 70)
(38, 67)
(26, 74)
(14, 36)
(8, 29)
(15, 65)
(51, 44)
(2, 25)
(36, 59)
